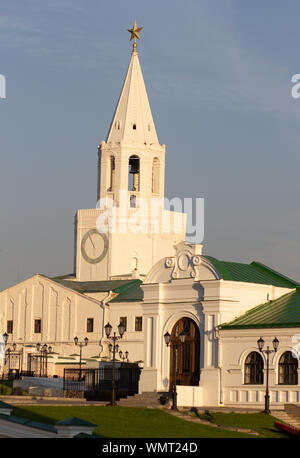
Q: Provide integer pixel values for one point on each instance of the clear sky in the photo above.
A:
(218, 75)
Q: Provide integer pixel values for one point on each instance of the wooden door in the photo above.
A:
(187, 355)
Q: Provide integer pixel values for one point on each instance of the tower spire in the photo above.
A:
(134, 35)
(132, 120)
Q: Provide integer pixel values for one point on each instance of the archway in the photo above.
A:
(187, 355)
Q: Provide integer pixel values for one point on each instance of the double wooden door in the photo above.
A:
(185, 357)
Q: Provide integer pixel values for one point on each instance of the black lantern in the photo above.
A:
(5, 338)
(167, 338)
(275, 344)
(38, 346)
(260, 344)
(86, 341)
(108, 328)
(76, 340)
(121, 329)
(182, 337)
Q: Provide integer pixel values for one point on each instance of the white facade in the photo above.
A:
(177, 282)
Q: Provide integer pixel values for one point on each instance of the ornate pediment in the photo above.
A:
(187, 262)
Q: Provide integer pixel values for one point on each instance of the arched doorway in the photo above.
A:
(187, 354)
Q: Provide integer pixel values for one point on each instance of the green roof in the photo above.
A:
(74, 421)
(131, 292)
(3, 405)
(251, 273)
(27, 422)
(94, 286)
(283, 312)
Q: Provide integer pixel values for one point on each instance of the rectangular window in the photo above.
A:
(90, 325)
(138, 323)
(10, 325)
(123, 320)
(37, 326)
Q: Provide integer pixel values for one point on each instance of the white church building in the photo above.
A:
(154, 282)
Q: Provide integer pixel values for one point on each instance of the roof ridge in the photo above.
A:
(264, 267)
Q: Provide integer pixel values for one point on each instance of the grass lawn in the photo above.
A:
(6, 387)
(126, 422)
(260, 422)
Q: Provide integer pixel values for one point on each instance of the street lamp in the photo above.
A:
(260, 344)
(80, 345)
(125, 356)
(175, 344)
(114, 348)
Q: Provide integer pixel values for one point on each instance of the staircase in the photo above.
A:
(148, 399)
(290, 415)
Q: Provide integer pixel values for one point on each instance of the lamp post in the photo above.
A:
(80, 345)
(44, 351)
(260, 344)
(175, 344)
(5, 339)
(114, 347)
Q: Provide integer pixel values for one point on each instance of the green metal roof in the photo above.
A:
(283, 312)
(3, 405)
(131, 292)
(94, 286)
(27, 422)
(74, 421)
(251, 273)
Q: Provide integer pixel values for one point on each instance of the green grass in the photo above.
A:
(126, 422)
(5, 387)
(259, 422)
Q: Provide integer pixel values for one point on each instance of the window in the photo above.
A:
(132, 201)
(288, 369)
(10, 325)
(134, 126)
(90, 325)
(123, 320)
(254, 366)
(37, 326)
(134, 173)
(138, 323)
(112, 167)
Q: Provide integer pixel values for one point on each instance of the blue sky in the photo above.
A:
(218, 76)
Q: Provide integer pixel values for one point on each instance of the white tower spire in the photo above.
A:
(132, 121)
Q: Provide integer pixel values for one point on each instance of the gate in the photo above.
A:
(97, 383)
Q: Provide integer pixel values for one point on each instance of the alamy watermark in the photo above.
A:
(2, 87)
(137, 215)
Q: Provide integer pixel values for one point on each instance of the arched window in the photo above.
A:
(134, 173)
(155, 176)
(111, 173)
(288, 369)
(254, 366)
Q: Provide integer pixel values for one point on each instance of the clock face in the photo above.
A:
(94, 246)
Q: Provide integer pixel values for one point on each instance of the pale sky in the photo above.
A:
(218, 76)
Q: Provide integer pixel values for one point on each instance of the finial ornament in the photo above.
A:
(135, 34)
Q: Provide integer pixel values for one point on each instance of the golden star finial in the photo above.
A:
(135, 34)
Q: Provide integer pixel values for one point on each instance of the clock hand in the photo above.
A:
(92, 243)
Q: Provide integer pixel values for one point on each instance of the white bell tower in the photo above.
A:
(131, 168)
